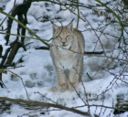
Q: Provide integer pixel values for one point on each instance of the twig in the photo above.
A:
(22, 83)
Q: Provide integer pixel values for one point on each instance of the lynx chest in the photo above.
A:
(67, 58)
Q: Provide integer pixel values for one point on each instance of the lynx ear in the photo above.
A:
(55, 27)
(70, 25)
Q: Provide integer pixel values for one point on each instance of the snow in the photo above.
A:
(37, 73)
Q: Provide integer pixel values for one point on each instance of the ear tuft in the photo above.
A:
(70, 25)
(55, 27)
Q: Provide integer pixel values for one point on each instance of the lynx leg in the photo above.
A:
(76, 74)
(73, 79)
(62, 83)
(80, 68)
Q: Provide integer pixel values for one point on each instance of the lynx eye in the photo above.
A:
(67, 38)
(60, 38)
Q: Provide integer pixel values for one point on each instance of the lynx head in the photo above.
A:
(63, 35)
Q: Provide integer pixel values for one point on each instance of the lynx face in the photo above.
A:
(64, 37)
(67, 50)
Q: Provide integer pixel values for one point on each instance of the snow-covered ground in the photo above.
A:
(35, 76)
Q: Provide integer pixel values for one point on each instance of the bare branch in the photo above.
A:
(29, 104)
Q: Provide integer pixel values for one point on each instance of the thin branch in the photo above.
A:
(21, 81)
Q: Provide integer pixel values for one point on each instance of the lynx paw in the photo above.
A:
(63, 86)
(60, 87)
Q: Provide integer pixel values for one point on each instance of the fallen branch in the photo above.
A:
(30, 104)
(85, 53)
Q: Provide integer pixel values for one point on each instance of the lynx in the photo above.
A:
(67, 49)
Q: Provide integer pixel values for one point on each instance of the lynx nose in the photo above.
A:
(63, 44)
